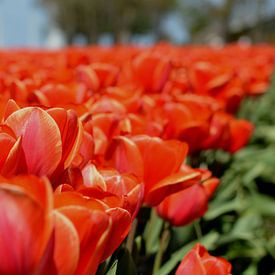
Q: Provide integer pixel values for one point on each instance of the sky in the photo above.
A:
(22, 23)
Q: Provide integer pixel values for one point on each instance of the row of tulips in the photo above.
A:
(90, 135)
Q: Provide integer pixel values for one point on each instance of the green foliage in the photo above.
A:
(243, 209)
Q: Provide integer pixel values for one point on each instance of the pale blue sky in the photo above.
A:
(22, 23)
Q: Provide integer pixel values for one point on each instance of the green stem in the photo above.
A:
(131, 236)
(164, 241)
(198, 229)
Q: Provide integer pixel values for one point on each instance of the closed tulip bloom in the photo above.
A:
(199, 262)
(189, 204)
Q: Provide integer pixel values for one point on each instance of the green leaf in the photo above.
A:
(152, 232)
(263, 204)
(217, 209)
(181, 235)
(245, 224)
(228, 187)
(251, 270)
(125, 264)
(245, 229)
(113, 268)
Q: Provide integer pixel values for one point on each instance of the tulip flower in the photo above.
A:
(198, 261)
(100, 228)
(33, 236)
(188, 122)
(154, 162)
(39, 142)
(148, 70)
(189, 204)
(116, 190)
(97, 75)
(88, 229)
(228, 133)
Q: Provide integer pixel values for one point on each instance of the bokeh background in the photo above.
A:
(55, 23)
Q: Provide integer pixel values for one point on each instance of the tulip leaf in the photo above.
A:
(152, 232)
(251, 270)
(208, 241)
(243, 229)
(246, 223)
(227, 188)
(181, 235)
(113, 268)
(265, 205)
(125, 264)
(218, 209)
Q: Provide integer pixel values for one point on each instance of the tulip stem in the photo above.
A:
(198, 229)
(131, 236)
(164, 241)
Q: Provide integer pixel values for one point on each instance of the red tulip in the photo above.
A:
(39, 142)
(147, 159)
(97, 75)
(116, 190)
(198, 261)
(189, 204)
(188, 122)
(57, 95)
(33, 237)
(101, 228)
(147, 70)
(228, 133)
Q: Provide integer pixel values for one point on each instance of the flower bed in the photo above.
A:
(92, 139)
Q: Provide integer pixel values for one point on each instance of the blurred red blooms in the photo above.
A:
(89, 135)
(198, 261)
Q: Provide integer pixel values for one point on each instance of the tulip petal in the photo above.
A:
(185, 206)
(41, 140)
(216, 266)
(6, 143)
(15, 162)
(92, 178)
(155, 154)
(121, 223)
(10, 108)
(126, 156)
(66, 240)
(71, 133)
(191, 264)
(93, 229)
(170, 185)
(24, 231)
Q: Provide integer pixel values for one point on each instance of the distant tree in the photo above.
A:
(118, 17)
(212, 16)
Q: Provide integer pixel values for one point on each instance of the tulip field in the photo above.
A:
(137, 160)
